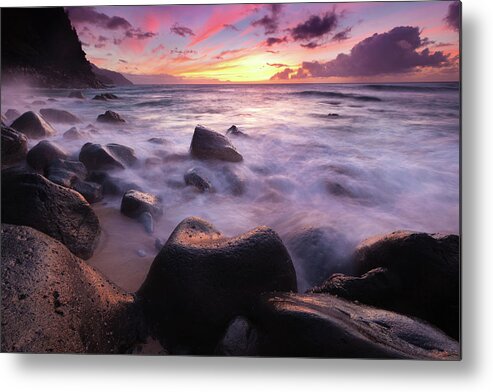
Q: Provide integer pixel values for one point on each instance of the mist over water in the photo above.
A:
(388, 161)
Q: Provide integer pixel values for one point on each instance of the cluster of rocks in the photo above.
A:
(205, 293)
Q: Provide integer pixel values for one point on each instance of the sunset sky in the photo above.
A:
(318, 42)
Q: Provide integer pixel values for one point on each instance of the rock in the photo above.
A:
(91, 191)
(374, 286)
(38, 102)
(201, 280)
(72, 174)
(110, 117)
(240, 339)
(411, 273)
(52, 100)
(12, 114)
(111, 185)
(321, 325)
(31, 200)
(76, 94)
(73, 134)
(123, 153)
(53, 302)
(157, 140)
(318, 252)
(234, 131)
(235, 183)
(14, 146)
(33, 125)
(105, 97)
(208, 144)
(193, 177)
(98, 157)
(65, 172)
(332, 115)
(42, 154)
(135, 203)
(59, 116)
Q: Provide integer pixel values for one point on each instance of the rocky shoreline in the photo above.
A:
(205, 293)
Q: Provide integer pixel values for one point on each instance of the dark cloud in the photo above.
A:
(182, 31)
(274, 41)
(84, 43)
(283, 75)
(91, 16)
(99, 45)
(342, 35)
(453, 16)
(182, 52)
(315, 27)
(270, 22)
(231, 27)
(123, 61)
(102, 38)
(272, 51)
(393, 52)
(139, 34)
(311, 45)
(442, 44)
(277, 65)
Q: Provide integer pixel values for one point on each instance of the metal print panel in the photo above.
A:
(232, 180)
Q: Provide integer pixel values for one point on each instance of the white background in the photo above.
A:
(473, 373)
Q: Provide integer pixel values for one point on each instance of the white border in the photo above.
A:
(119, 373)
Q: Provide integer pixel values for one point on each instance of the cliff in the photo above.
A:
(41, 48)
(110, 78)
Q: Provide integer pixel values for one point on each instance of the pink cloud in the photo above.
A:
(220, 17)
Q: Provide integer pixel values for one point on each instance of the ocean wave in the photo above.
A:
(332, 94)
(414, 88)
(156, 103)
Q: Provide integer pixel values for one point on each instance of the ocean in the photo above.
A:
(325, 165)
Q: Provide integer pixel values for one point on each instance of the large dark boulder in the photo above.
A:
(53, 302)
(321, 325)
(411, 273)
(59, 116)
(110, 117)
(14, 146)
(208, 144)
(33, 126)
(111, 156)
(201, 280)
(43, 154)
(135, 203)
(32, 200)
